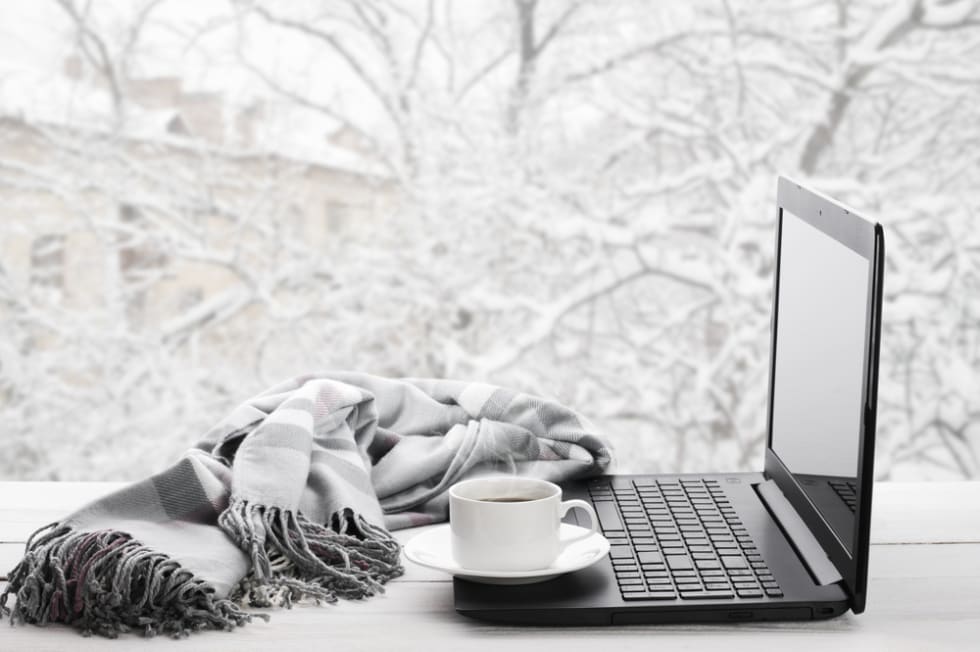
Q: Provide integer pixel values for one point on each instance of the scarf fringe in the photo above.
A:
(293, 557)
(106, 583)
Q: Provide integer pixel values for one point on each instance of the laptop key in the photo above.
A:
(705, 595)
(620, 552)
(679, 561)
(745, 593)
(650, 557)
(731, 561)
(608, 517)
(650, 595)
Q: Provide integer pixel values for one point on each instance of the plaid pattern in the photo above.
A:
(290, 496)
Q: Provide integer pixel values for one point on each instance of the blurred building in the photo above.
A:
(124, 204)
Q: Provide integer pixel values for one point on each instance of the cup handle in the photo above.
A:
(593, 520)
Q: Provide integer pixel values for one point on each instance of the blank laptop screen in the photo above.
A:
(821, 326)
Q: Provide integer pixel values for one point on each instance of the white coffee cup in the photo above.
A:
(509, 523)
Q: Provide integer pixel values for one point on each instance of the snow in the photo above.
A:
(605, 238)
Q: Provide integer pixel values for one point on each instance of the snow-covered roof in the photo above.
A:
(279, 128)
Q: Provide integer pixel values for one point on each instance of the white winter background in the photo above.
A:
(576, 198)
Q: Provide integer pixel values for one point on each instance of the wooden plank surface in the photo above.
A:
(910, 608)
(924, 594)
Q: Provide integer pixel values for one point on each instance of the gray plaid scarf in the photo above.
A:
(288, 498)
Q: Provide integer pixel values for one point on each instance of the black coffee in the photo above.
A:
(507, 499)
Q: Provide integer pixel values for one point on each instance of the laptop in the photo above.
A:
(787, 543)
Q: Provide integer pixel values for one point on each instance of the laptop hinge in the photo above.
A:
(807, 547)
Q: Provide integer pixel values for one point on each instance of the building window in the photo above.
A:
(139, 259)
(48, 262)
(337, 214)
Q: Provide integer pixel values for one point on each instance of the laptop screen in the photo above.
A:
(821, 326)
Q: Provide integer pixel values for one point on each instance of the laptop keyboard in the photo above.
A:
(679, 539)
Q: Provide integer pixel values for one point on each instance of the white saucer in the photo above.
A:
(432, 549)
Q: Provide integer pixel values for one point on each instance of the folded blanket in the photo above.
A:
(287, 498)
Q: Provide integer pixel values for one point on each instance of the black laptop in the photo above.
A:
(787, 543)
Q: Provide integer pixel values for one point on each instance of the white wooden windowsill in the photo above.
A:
(924, 594)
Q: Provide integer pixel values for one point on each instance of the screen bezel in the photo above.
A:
(867, 239)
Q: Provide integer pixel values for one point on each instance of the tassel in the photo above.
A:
(106, 583)
(293, 557)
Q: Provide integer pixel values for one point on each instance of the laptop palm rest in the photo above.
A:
(806, 545)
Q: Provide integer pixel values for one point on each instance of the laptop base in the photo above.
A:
(592, 596)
